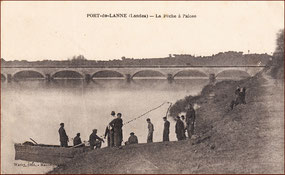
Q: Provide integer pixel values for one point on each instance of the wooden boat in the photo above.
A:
(51, 154)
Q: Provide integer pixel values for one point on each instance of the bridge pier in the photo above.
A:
(9, 78)
(128, 77)
(48, 77)
(170, 78)
(88, 78)
(212, 78)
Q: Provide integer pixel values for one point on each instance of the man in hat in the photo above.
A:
(63, 138)
(133, 139)
(109, 132)
(77, 140)
(179, 129)
(150, 131)
(190, 120)
(94, 140)
(117, 125)
(165, 137)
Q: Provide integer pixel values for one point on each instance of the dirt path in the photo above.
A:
(274, 126)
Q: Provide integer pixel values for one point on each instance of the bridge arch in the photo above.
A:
(233, 73)
(190, 73)
(68, 74)
(24, 74)
(107, 74)
(148, 73)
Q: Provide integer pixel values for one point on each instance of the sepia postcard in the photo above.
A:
(134, 87)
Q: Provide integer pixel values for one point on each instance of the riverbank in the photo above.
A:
(247, 139)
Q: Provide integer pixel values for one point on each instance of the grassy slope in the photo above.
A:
(244, 140)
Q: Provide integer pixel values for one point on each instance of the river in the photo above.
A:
(35, 108)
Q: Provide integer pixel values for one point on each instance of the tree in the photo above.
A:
(78, 60)
(277, 70)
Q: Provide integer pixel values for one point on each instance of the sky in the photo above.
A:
(59, 30)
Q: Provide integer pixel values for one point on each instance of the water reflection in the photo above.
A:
(103, 84)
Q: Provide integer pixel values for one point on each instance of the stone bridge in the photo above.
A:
(129, 72)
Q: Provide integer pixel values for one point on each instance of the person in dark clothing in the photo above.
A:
(185, 126)
(166, 130)
(117, 125)
(77, 140)
(133, 139)
(238, 96)
(94, 140)
(150, 131)
(179, 129)
(190, 120)
(237, 91)
(242, 94)
(63, 138)
(109, 132)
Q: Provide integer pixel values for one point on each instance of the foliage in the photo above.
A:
(277, 63)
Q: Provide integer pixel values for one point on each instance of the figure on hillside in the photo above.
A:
(133, 139)
(185, 126)
(150, 131)
(190, 120)
(238, 94)
(77, 140)
(94, 140)
(166, 130)
(109, 132)
(117, 125)
(242, 94)
(237, 91)
(63, 138)
(239, 97)
(179, 129)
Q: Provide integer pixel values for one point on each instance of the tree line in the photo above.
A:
(221, 59)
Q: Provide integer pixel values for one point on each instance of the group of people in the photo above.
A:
(94, 140)
(187, 124)
(239, 97)
(114, 132)
(182, 126)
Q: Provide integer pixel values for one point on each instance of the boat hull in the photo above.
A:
(47, 153)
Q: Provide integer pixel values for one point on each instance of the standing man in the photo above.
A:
(63, 138)
(238, 96)
(185, 126)
(190, 120)
(150, 131)
(94, 140)
(179, 129)
(117, 125)
(166, 130)
(242, 94)
(109, 132)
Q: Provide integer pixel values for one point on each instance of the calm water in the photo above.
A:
(34, 109)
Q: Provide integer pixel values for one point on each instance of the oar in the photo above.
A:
(75, 146)
(34, 141)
